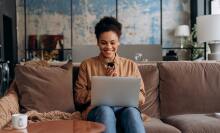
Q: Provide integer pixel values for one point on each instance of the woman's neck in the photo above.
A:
(107, 60)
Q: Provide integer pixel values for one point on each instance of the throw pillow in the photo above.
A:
(45, 89)
(8, 105)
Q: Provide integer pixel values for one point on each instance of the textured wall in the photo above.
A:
(20, 28)
(175, 12)
(140, 19)
(86, 13)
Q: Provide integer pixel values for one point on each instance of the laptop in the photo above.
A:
(115, 91)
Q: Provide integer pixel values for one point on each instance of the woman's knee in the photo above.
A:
(131, 112)
(104, 110)
(131, 121)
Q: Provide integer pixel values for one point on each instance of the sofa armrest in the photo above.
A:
(8, 105)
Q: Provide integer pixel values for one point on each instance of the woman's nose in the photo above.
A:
(108, 45)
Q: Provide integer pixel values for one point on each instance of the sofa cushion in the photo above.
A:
(157, 126)
(195, 123)
(189, 88)
(150, 76)
(8, 105)
(45, 89)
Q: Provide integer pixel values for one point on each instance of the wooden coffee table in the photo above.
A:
(61, 126)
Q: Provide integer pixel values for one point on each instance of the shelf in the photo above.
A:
(192, 51)
(184, 48)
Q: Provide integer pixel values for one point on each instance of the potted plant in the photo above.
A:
(191, 43)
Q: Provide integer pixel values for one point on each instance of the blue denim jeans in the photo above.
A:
(128, 119)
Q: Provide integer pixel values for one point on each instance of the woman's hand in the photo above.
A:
(110, 71)
(86, 112)
(141, 99)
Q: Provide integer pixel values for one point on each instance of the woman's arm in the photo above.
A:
(142, 93)
(142, 90)
(82, 95)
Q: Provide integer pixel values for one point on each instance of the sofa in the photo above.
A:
(181, 96)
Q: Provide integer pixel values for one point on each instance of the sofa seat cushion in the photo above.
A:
(45, 89)
(195, 123)
(155, 125)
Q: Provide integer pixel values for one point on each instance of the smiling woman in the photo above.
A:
(108, 63)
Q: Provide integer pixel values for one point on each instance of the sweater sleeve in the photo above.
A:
(82, 95)
(142, 90)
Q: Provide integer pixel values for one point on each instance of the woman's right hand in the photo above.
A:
(111, 72)
(86, 112)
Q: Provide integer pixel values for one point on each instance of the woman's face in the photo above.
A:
(108, 43)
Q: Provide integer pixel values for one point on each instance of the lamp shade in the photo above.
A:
(208, 28)
(182, 31)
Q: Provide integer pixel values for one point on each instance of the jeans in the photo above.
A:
(128, 119)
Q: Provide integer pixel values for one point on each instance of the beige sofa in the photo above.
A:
(180, 96)
(184, 95)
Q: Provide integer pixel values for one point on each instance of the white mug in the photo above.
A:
(19, 121)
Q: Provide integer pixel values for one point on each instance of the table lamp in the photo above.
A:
(182, 31)
(208, 30)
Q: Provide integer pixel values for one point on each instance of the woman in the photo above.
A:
(108, 63)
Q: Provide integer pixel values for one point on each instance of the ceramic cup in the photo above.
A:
(19, 121)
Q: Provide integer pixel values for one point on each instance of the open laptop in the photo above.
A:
(115, 91)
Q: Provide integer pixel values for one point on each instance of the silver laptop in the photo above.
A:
(115, 91)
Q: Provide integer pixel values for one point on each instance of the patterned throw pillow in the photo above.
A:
(8, 105)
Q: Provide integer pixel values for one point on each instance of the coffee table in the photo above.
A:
(61, 126)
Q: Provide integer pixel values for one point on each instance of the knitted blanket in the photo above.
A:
(34, 116)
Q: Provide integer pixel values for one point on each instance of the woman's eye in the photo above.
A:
(112, 43)
(103, 43)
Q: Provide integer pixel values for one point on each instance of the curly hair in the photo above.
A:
(108, 24)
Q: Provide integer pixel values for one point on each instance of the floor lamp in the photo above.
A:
(208, 30)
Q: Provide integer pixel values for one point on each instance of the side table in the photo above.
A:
(61, 126)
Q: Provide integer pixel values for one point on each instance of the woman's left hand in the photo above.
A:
(141, 99)
(86, 112)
